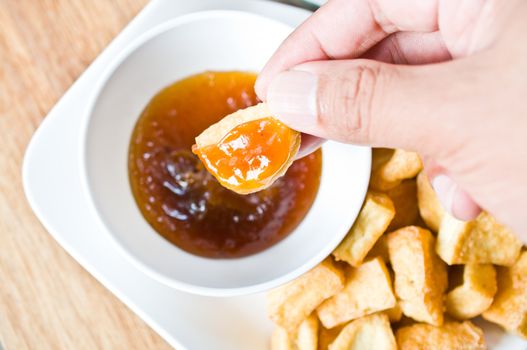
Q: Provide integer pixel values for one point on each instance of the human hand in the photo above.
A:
(367, 72)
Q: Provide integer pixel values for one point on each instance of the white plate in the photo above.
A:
(52, 183)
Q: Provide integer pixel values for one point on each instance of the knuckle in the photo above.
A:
(348, 103)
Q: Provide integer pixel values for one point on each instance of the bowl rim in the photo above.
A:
(87, 187)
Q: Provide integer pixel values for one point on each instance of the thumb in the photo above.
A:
(369, 102)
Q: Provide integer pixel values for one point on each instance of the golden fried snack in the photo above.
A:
(306, 337)
(475, 294)
(395, 313)
(404, 198)
(420, 276)
(327, 336)
(481, 241)
(374, 217)
(371, 332)
(379, 249)
(247, 150)
(390, 167)
(509, 308)
(290, 304)
(450, 336)
(281, 340)
(430, 208)
(307, 334)
(368, 289)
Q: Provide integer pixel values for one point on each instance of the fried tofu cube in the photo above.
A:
(281, 340)
(450, 336)
(368, 289)
(305, 338)
(374, 217)
(390, 167)
(481, 241)
(307, 334)
(509, 309)
(430, 208)
(475, 294)
(404, 198)
(371, 332)
(420, 276)
(395, 313)
(290, 304)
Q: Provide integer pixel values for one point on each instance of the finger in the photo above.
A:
(410, 48)
(309, 145)
(347, 29)
(455, 200)
(369, 102)
(401, 48)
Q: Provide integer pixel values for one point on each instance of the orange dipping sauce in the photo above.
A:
(182, 201)
(249, 154)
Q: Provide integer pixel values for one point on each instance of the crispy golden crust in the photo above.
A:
(404, 198)
(290, 304)
(305, 338)
(216, 132)
(429, 206)
(420, 276)
(371, 332)
(307, 334)
(390, 167)
(450, 336)
(373, 219)
(475, 294)
(368, 289)
(509, 308)
(482, 241)
(280, 339)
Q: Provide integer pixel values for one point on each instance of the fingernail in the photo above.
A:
(455, 201)
(292, 97)
(464, 207)
(309, 145)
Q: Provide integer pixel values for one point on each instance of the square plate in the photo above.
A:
(51, 179)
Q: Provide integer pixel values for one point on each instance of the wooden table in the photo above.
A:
(47, 300)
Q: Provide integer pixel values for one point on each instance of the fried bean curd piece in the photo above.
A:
(305, 338)
(450, 336)
(248, 150)
(371, 332)
(475, 294)
(376, 214)
(390, 167)
(420, 276)
(293, 302)
(368, 289)
(509, 308)
(480, 241)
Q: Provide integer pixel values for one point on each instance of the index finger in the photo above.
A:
(347, 29)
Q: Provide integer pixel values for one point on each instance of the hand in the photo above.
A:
(445, 78)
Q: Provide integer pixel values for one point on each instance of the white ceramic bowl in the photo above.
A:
(216, 40)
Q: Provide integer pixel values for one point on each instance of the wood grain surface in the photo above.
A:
(47, 301)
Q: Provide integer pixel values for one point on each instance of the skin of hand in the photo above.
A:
(445, 78)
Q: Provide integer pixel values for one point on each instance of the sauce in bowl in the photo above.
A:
(182, 201)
